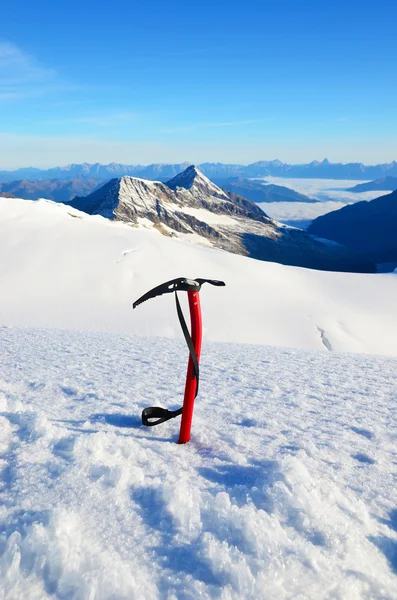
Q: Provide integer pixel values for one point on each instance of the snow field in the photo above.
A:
(63, 269)
(287, 489)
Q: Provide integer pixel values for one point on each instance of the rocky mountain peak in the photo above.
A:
(186, 179)
(193, 179)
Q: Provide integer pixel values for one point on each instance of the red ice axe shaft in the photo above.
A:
(191, 376)
(156, 415)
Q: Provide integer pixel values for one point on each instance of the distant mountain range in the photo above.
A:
(384, 184)
(59, 190)
(163, 172)
(191, 205)
(260, 191)
(367, 228)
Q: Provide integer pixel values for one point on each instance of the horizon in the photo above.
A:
(212, 85)
(189, 164)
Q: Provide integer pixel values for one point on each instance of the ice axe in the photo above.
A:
(156, 415)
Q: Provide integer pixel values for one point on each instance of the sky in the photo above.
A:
(139, 83)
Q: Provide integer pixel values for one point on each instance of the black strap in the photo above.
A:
(189, 342)
(159, 414)
(156, 415)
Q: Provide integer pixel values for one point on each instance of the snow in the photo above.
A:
(287, 489)
(61, 268)
(141, 180)
(207, 216)
(145, 222)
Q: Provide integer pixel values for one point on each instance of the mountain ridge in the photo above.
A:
(58, 190)
(368, 228)
(164, 171)
(384, 184)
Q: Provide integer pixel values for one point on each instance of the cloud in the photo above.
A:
(18, 66)
(21, 73)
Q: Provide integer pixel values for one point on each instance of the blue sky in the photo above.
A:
(149, 82)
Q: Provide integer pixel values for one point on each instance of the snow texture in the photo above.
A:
(287, 489)
(65, 269)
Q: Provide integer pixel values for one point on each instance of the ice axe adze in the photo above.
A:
(156, 415)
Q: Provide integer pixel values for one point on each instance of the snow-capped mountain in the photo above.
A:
(191, 204)
(193, 179)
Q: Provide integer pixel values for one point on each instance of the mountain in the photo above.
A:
(384, 184)
(6, 195)
(52, 189)
(162, 172)
(191, 204)
(367, 228)
(260, 191)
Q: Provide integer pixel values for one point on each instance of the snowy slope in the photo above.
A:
(64, 269)
(287, 489)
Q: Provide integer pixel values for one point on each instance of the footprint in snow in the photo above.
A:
(124, 254)
(363, 458)
(364, 432)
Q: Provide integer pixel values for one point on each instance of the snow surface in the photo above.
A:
(207, 216)
(287, 489)
(140, 179)
(61, 268)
